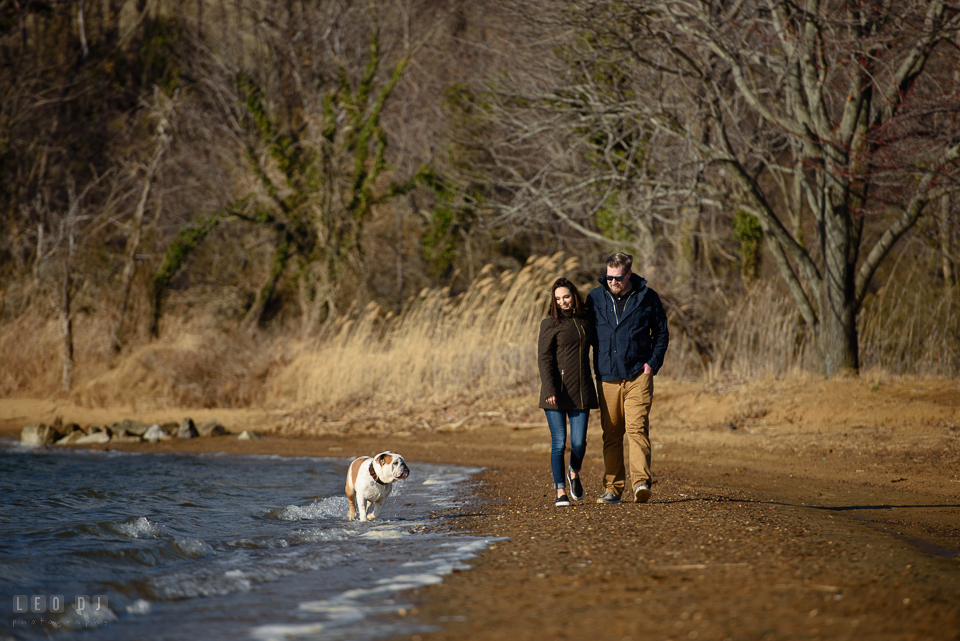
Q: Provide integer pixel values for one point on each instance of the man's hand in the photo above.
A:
(647, 370)
(550, 400)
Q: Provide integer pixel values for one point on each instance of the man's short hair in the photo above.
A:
(621, 259)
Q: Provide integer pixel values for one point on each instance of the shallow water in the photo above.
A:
(177, 546)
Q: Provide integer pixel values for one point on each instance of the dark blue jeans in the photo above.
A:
(557, 421)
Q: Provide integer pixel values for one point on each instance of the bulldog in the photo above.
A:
(370, 481)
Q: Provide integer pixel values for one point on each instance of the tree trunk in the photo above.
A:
(837, 329)
(66, 330)
(688, 248)
(133, 246)
(399, 251)
(837, 340)
(280, 257)
(644, 244)
(947, 244)
(82, 27)
(110, 18)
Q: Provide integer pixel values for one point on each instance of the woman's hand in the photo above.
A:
(551, 400)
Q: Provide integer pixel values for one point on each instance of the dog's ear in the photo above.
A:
(381, 457)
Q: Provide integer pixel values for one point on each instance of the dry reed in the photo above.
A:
(912, 326)
(480, 343)
(761, 336)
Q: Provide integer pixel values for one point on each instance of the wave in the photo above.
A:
(328, 508)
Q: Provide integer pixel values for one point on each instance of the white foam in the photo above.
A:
(471, 548)
(192, 547)
(384, 534)
(140, 606)
(446, 477)
(410, 581)
(183, 585)
(447, 562)
(438, 566)
(140, 527)
(356, 604)
(334, 507)
(318, 535)
(336, 612)
(239, 579)
(260, 543)
(279, 632)
(89, 617)
(392, 585)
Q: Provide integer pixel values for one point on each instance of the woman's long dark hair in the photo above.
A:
(579, 308)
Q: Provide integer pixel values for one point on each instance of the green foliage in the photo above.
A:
(447, 219)
(610, 221)
(464, 108)
(297, 163)
(279, 263)
(320, 195)
(370, 130)
(746, 229)
(439, 243)
(180, 249)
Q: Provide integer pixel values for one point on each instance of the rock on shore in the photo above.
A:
(125, 431)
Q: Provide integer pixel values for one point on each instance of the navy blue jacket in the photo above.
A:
(625, 343)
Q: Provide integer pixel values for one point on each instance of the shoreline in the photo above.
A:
(826, 527)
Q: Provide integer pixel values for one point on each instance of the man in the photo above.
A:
(632, 339)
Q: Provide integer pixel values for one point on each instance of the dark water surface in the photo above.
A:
(182, 546)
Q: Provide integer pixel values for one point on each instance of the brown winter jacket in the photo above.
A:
(563, 356)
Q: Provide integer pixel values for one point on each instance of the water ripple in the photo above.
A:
(216, 546)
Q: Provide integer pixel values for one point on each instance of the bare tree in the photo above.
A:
(948, 233)
(834, 123)
(306, 121)
(160, 110)
(73, 231)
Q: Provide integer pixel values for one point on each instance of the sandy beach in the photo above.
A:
(797, 509)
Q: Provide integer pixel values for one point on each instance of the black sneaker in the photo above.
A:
(563, 501)
(608, 497)
(576, 488)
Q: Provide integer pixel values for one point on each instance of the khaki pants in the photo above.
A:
(625, 409)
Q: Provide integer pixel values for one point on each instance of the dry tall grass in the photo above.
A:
(31, 345)
(478, 344)
(762, 336)
(196, 363)
(440, 348)
(912, 327)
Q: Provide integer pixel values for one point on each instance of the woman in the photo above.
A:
(566, 384)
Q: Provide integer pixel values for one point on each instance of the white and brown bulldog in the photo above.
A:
(370, 481)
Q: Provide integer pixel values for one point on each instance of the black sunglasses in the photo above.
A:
(619, 279)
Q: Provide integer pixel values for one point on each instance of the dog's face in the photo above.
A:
(393, 466)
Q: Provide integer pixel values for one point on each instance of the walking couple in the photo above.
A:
(623, 321)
